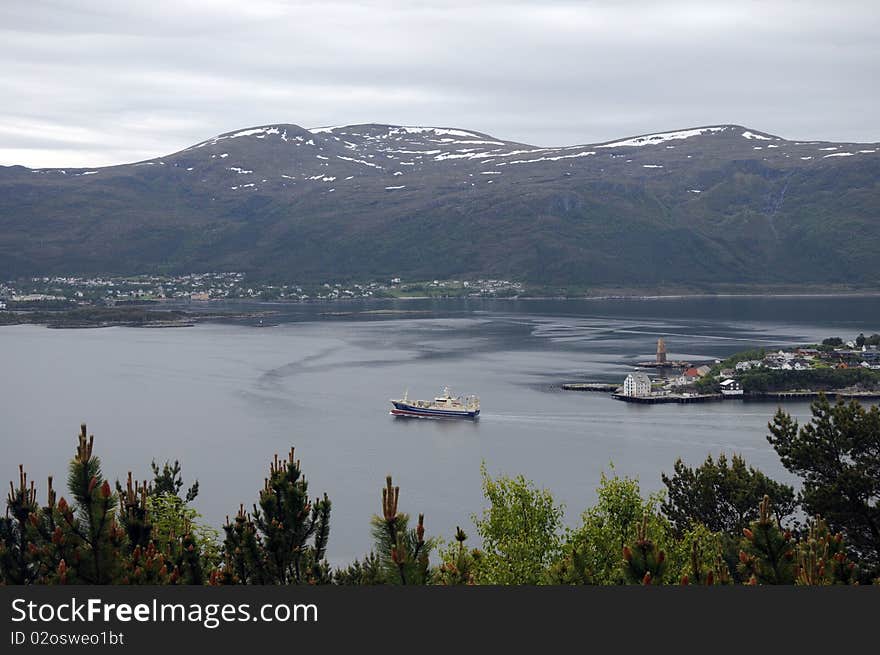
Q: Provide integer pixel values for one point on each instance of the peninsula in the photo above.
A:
(836, 368)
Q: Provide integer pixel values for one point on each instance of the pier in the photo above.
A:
(810, 395)
(590, 386)
(757, 395)
(669, 398)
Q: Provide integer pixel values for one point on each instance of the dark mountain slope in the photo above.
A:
(698, 207)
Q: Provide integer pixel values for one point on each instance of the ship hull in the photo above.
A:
(406, 410)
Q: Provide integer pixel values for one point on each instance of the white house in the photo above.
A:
(637, 384)
(731, 388)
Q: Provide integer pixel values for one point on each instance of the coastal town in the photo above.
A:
(111, 290)
(835, 367)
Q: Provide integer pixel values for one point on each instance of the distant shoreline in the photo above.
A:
(174, 313)
(680, 296)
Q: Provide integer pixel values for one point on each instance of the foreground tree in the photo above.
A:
(768, 554)
(610, 525)
(643, 562)
(97, 538)
(16, 532)
(698, 558)
(284, 540)
(403, 551)
(520, 531)
(368, 571)
(823, 558)
(720, 496)
(837, 455)
(458, 564)
(169, 481)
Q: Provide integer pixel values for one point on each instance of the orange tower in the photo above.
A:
(661, 351)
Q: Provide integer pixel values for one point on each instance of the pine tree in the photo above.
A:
(767, 555)
(404, 552)
(837, 455)
(700, 574)
(822, 558)
(272, 544)
(16, 530)
(133, 512)
(98, 538)
(90, 528)
(168, 480)
(573, 568)
(368, 571)
(148, 565)
(458, 563)
(644, 563)
(721, 495)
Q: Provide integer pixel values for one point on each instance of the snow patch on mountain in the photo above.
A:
(401, 130)
(537, 159)
(358, 161)
(654, 139)
(439, 131)
(258, 132)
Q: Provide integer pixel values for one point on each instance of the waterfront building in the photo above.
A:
(731, 388)
(637, 384)
(661, 351)
(691, 374)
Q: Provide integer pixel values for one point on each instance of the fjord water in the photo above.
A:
(224, 397)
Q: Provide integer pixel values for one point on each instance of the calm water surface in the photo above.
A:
(224, 397)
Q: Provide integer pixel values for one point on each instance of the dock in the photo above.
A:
(669, 398)
(760, 396)
(810, 395)
(590, 386)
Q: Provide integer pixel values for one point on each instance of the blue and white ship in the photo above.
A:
(443, 406)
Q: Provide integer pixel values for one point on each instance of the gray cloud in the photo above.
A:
(99, 82)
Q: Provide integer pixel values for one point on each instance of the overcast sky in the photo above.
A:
(95, 82)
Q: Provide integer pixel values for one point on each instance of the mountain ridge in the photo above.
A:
(699, 206)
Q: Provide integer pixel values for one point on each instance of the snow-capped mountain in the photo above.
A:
(697, 206)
